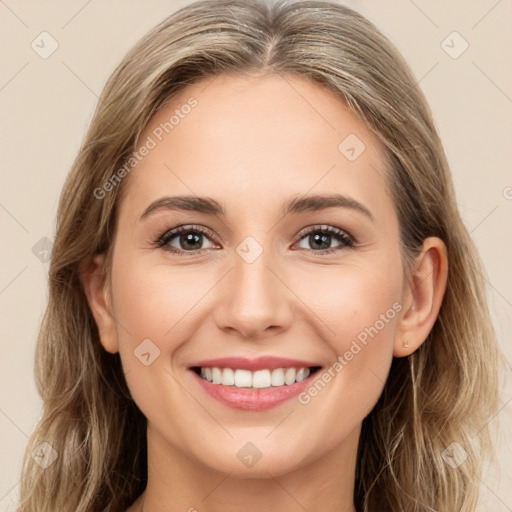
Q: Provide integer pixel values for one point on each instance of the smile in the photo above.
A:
(259, 379)
(253, 384)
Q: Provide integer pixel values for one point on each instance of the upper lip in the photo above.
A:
(259, 363)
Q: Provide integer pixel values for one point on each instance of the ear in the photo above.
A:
(97, 291)
(422, 297)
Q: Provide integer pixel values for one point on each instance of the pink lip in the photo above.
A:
(253, 399)
(259, 363)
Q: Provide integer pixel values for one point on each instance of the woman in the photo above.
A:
(262, 295)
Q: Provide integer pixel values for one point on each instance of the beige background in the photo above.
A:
(46, 105)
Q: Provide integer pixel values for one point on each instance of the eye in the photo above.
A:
(186, 238)
(190, 239)
(320, 238)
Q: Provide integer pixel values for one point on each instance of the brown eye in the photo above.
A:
(184, 239)
(320, 240)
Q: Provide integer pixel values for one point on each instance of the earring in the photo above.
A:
(406, 344)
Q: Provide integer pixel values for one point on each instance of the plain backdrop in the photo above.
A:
(47, 103)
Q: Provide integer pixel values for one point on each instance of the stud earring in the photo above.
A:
(406, 344)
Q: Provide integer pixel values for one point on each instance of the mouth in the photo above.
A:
(259, 379)
(251, 385)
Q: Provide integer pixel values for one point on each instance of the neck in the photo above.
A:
(178, 483)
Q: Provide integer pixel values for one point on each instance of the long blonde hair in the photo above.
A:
(444, 393)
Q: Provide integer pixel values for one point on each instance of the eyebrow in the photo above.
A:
(210, 206)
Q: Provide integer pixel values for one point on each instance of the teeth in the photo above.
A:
(216, 375)
(258, 379)
(289, 376)
(277, 378)
(228, 377)
(301, 374)
(243, 378)
(261, 379)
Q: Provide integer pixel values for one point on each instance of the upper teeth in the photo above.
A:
(258, 379)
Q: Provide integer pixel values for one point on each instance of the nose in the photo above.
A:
(255, 302)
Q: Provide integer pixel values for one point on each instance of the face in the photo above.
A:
(301, 269)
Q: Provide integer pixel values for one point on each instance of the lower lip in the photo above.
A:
(253, 399)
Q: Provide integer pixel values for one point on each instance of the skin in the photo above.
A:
(252, 143)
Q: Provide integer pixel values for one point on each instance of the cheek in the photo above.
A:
(352, 300)
(154, 309)
(155, 300)
(359, 307)
(147, 306)
(362, 314)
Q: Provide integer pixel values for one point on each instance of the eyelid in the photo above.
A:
(169, 234)
(327, 228)
(345, 239)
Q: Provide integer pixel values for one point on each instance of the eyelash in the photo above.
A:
(340, 235)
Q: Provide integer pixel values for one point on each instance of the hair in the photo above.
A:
(445, 392)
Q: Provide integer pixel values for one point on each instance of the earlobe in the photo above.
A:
(424, 294)
(99, 298)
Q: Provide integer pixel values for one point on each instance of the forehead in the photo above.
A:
(262, 137)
